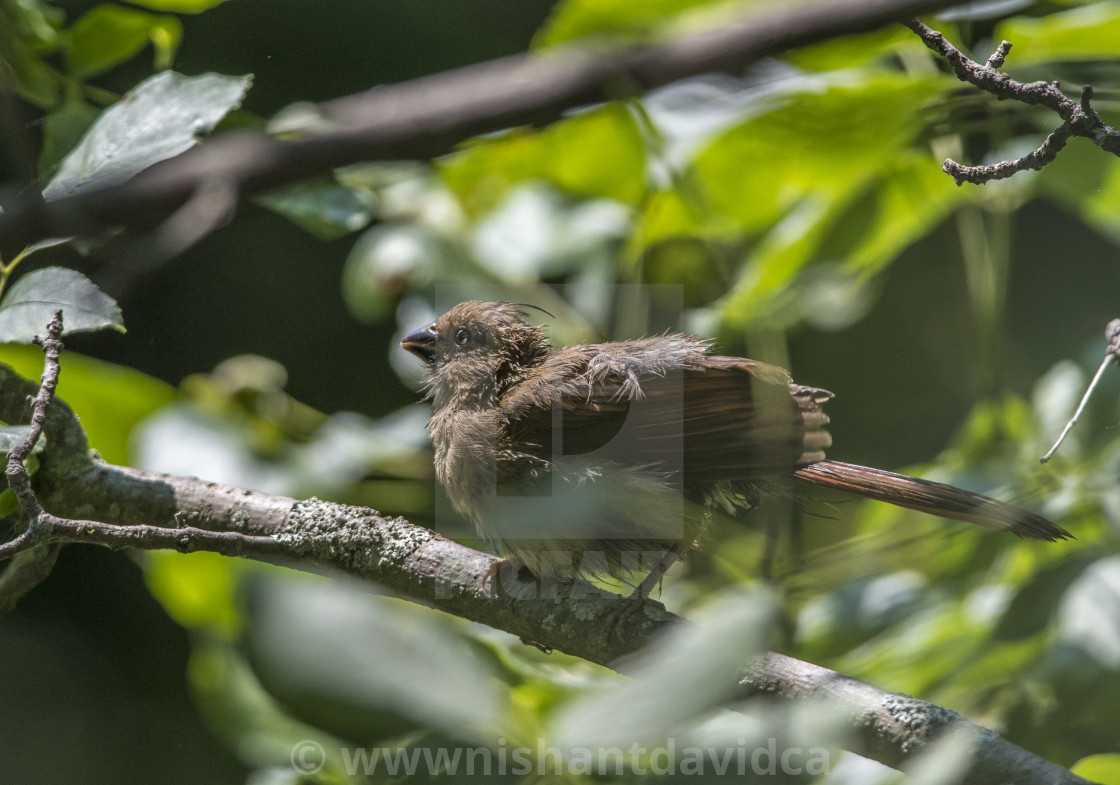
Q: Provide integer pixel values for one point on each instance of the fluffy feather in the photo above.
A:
(591, 458)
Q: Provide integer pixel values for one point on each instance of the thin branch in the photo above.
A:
(1111, 355)
(427, 568)
(45, 528)
(18, 478)
(1078, 117)
(430, 116)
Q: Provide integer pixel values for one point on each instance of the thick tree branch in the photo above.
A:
(893, 728)
(147, 510)
(1078, 117)
(428, 117)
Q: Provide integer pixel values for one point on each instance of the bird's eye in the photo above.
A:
(462, 335)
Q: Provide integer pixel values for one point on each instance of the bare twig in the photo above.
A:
(18, 478)
(429, 117)
(1078, 117)
(1111, 355)
(45, 528)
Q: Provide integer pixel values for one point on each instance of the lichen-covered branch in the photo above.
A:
(1078, 117)
(147, 510)
(893, 728)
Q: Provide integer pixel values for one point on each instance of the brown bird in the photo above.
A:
(606, 458)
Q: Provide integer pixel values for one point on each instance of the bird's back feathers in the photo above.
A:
(605, 435)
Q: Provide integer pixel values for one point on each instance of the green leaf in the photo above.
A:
(910, 200)
(179, 6)
(30, 304)
(239, 712)
(1035, 604)
(111, 34)
(680, 676)
(1104, 768)
(197, 590)
(853, 50)
(11, 435)
(159, 119)
(365, 666)
(1088, 33)
(62, 129)
(8, 503)
(812, 159)
(575, 19)
(326, 208)
(597, 153)
(109, 399)
(824, 139)
(1096, 196)
(1087, 618)
(36, 22)
(33, 78)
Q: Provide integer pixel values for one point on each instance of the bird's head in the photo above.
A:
(475, 350)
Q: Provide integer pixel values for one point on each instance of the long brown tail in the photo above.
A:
(935, 498)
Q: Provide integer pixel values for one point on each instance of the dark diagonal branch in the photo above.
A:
(124, 507)
(428, 117)
(1078, 117)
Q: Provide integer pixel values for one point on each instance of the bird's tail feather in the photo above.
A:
(930, 497)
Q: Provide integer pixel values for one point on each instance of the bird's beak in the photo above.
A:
(421, 343)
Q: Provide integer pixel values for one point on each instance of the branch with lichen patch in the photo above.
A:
(145, 510)
(1078, 117)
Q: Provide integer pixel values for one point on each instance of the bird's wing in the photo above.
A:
(669, 406)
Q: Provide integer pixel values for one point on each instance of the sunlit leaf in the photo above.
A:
(196, 589)
(911, 198)
(797, 171)
(108, 399)
(574, 19)
(823, 141)
(853, 50)
(1104, 768)
(668, 215)
(29, 305)
(597, 153)
(1091, 32)
(110, 34)
(161, 118)
(179, 6)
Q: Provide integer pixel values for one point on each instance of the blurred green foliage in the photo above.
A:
(772, 202)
